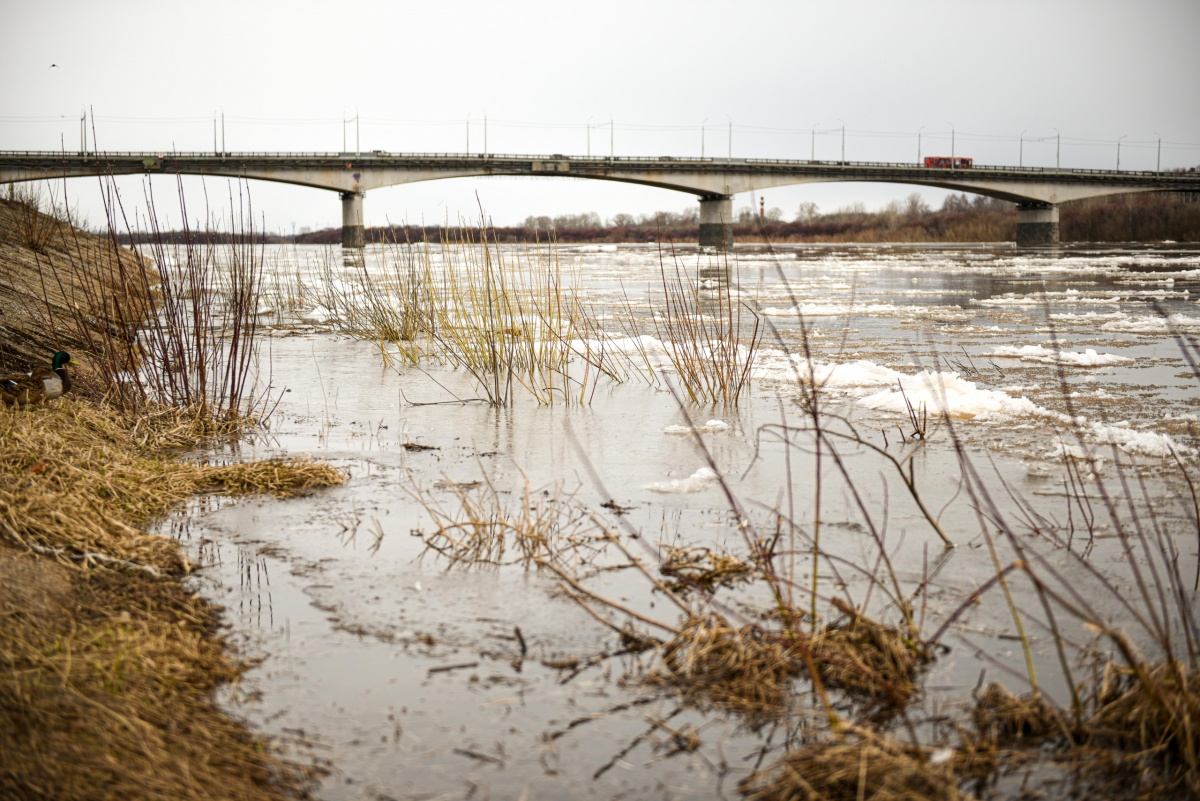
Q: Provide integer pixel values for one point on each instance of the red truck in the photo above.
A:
(956, 162)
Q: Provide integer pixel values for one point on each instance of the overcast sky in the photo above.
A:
(422, 76)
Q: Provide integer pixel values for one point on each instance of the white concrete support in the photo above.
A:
(716, 222)
(352, 220)
(1037, 225)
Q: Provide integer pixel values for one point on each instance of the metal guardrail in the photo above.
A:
(382, 157)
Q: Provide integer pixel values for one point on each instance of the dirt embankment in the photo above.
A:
(107, 662)
(52, 277)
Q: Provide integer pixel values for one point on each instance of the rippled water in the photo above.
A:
(403, 671)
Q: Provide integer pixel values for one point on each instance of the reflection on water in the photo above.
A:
(418, 681)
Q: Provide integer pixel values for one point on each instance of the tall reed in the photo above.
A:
(180, 323)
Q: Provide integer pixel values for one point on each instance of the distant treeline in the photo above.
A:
(962, 218)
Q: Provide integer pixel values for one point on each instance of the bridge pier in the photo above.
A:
(1037, 224)
(352, 220)
(716, 222)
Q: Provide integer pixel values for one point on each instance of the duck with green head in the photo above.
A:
(41, 385)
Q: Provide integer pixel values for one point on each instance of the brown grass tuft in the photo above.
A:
(710, 661)
(868, 659)
(106, 676)
(872, 768)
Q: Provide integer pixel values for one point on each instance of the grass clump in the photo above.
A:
(107, 665)
(856, 768)
(711, 661)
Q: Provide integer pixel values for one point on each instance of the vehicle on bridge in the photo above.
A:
(956, 162)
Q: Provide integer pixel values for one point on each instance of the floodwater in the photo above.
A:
(409, 675)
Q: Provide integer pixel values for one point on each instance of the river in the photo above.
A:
(411, 675)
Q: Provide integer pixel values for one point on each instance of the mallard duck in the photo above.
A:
(42, 384)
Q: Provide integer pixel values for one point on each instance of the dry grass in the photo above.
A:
(710, 336)
(868, 659)
(106, 684)
(752, 670)
(107, 666)
(696, 568)
(712, 662)
(542, 527)
(1154, 719)
(854, 769)
(77, 479)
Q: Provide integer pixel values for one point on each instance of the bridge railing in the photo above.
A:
(710, 162)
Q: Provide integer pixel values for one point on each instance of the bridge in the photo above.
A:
(1037, 191)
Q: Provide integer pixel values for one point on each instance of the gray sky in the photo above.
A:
(155, 75)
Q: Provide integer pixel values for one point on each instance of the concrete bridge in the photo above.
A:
(1037, 191)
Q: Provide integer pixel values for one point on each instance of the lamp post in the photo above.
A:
(1119, 138)
(843, 122)
(1021, 158)
(610, 136)
(812, 156)
(919, 143)
(951, 144)
(1057, 149)
(485, 133)
(702, 138)
(1158, 163)
(730, 136)
(468, 133)
(589, 137)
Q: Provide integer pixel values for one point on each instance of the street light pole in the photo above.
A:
(843, 122)
(485, 133)
(702, 138)
(1021, 159)
(813, 155)
(730, 136)
(919, 143)
(589, 137)
(1119, 138)
(1158, 164)
(468, 133)
(951, 144)
(610, 137)
(1057, 149)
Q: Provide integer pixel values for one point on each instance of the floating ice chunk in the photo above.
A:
(696, 482)
(1037, 353)
(832, 309)
(947, 393)
(711, 427)
(1146, 443)
(1152, 324)
(318, 314)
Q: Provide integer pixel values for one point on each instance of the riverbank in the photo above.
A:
(108, 664)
